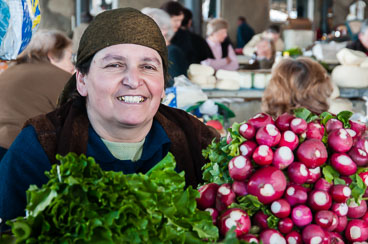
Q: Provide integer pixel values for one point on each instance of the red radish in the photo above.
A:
(240, 168)
(285, 225)
(296, 194)
(301, 215)
(340, 193)
(356, 230)
(247, 148)
(249, 238)
(336, 238)
(298, 126)
(347, 180)
(315, 130)
(319, 200)
(207, 196)
(228, 138)
(260, 120)
(312, 153)
(263, 155)
(325, 219)
(247, 131)
(327, 239)
(239, 188)
(313, 234)
(268, 135)
(283, 121)
(362, 143)
(215, 124)
(343, 164)
(289, 139)
(359, 156)
(260, 219)
(322, 184)
(225, 196)
(280, 208)
(235, 217)
(365, 217)
(341, 224)
(271, 236)
(313, 174)
(358, 127)
(352, 133)
(214, 214)
(333, 124)
(340, 140)
(267, 184)
(294, 238)
(335, 222)
(283, 157)
(340, 209)
(364, 176)
(297, 173)
(356, 211)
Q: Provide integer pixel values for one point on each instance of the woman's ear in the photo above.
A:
(81, 83)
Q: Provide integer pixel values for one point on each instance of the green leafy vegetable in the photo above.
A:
(305, 114)
(219, 155)
(330, 173)
(82, 203)
(344, 117)
(216, 170)
(252, 205)
(325, 116)
(358, 188)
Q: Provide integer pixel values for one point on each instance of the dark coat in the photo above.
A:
(66, 130)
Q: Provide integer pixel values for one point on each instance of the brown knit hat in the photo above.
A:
(117, 26)
(216, 25)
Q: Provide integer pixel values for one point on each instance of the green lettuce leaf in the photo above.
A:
(82, 203)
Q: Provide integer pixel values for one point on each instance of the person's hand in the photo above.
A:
(228, 60)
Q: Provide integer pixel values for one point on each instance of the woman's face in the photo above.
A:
(123, 88)
(176, 21)
(220, 35)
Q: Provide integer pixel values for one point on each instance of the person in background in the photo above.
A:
(201, 49)
(264, 56)
(33, 83)
(272, 33)
(181, 38)
(244, 32)
(222, 50)
(295, 83)
(361, 44)
(110, 110)
(177, 61)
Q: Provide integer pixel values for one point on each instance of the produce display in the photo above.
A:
(81, 203)
(301, 178)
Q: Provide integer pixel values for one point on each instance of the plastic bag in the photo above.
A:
(19, 19)
(183, 94)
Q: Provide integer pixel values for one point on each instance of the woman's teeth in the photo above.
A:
(131, 99)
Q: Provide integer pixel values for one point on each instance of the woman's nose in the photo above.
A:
(131, 78)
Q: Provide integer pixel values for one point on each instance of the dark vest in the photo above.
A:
(66, 130)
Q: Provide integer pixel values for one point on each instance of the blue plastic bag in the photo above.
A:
(19, 19)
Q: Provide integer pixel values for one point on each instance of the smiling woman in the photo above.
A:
(110, 110)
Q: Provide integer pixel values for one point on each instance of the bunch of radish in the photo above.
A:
(297, 179)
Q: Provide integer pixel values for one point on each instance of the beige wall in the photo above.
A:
(57, 14)
(139, 4)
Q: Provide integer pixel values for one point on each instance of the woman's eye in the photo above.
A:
(149, 67)
(114, 65)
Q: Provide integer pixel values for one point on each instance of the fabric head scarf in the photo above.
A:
(117, 26)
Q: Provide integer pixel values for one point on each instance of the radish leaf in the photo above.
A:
(344, 117)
